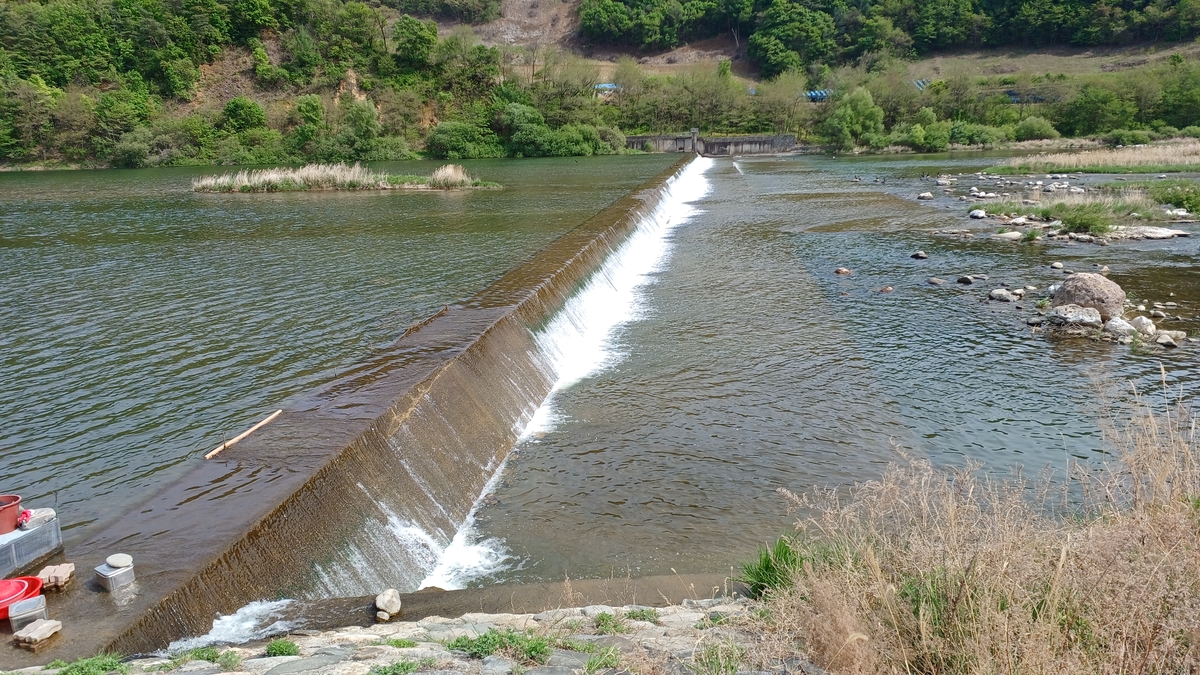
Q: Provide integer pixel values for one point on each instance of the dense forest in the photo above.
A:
(123, 82)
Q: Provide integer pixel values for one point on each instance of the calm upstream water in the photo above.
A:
(747, 365)
(140, 324)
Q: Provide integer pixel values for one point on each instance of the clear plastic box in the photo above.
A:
(25, 612)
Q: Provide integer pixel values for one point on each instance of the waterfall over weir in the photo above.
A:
(411, 549)
(371, 480)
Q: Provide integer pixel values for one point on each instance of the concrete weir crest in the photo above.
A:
(354, 485)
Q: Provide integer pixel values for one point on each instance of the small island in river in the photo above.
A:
(336, 177)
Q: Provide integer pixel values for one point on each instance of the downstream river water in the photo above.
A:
(718, 358)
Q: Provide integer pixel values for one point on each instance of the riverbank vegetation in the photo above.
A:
(1178, 156)
(104, 83)
(334, 177)
(960, 570)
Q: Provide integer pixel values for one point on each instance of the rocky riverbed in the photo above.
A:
(676, 640)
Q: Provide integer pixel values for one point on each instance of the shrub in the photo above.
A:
(1128, 137)
(521, 646)
(966, 133)
(1179, 193)
(646, 614)
(773, 570)
(1085, 220)
(609, 624)
(1034, 128)
(241, 113)
(282, 648)
(1192, 131)
(101, 664)
(613, 137)
(459, 140)
(402, 667)
(855, 116)
(648, 147)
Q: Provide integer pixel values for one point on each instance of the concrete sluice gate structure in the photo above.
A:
(356, 486)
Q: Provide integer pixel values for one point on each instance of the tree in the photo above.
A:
(241, 113)
(855, 117)
(415, 41)
(1096, 110)
(791, 35)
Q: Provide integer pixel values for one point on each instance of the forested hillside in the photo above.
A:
(170, 82)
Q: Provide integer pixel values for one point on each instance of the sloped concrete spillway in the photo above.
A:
(360, 484)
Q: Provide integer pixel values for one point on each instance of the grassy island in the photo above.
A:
(1167, 157)
(335, 177)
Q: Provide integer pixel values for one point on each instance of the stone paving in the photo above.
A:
(669, 645)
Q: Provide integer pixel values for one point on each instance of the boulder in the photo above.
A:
(1176, 335)
(978, 214)
(1143, 325)
(935, 281)
(925, 196)
(388, 601)
(1003, 295)
(1056, 266)
(1165, 341)
(1008, 236)
(1091, 290)
(919, 255)
(968, 280)
(1075, 315)
(1118, 326)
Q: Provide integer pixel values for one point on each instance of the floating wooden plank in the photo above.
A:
(242, 435)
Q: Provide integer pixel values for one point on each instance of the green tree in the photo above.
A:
(854, 119)
(415, 41)
(1096, 110)
(241, 113)
(791, 35)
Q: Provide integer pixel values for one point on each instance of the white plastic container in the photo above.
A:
(25, 612)
(112, 578)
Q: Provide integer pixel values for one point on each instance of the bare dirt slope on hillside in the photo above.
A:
(538, 23)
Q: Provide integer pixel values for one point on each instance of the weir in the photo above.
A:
(363, 483)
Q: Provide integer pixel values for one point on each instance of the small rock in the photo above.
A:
(934, 281)
(1018, 221)
(1035, 320)
(925, 196)
(886, 289)
(1176, 335)
(496, 665)
(1165, 341)
(1002, 295)
(842, 270)
(1056, 266)
(1075, 315)
(1158, 314)
(1141, 308)
(920, 255)
(968, 280)
(388, 601)
(978, 214)
(382, 616)
(1008, 236)
(1118, 326)
(1143, 325)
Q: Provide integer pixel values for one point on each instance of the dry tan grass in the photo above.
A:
(1184, 153)
(307, 177)
(933, 571)
(450, 176)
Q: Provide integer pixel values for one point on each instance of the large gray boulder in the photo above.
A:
(1091, 290)
(388, 601)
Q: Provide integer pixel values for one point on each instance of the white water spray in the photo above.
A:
(255, 621)
(577, 343)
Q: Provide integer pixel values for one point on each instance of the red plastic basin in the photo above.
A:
(10, 508)
(16, 590)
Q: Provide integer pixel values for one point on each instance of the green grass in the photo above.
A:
(609, 624)
(398, 643)
(282, 648)
(1183, 194)
(575, 645)
(402, 667)
(227, 660)
(97, 665)
(647, 614)
(609, 658)
(718, 658)
(524, 647)
(1088, 219)
(772, 570)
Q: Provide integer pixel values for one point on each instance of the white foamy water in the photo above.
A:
(255, 621)
(577, 343)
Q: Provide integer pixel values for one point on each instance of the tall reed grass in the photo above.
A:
(959, 571)
(332, 177)
(1176, 156)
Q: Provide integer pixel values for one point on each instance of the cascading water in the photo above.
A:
(577, 342)
(397, 549)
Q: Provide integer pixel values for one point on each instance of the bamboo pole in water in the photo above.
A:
(242, 435)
